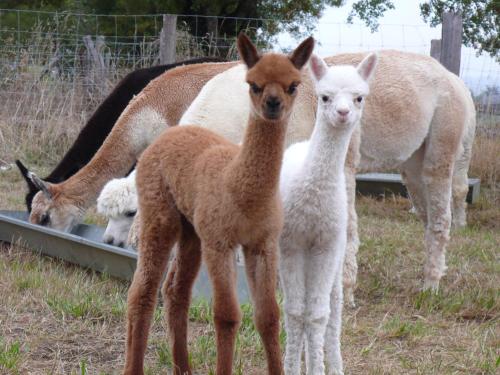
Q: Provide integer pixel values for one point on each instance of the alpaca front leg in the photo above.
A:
(227, 314)
(320, 272)
(333, 356)
(292, 276)
(261, 263)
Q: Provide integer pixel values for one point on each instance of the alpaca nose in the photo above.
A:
(273, 103)
(343, 112)
(109, 240)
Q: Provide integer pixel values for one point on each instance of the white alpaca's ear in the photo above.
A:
(366, 68)
(318, 67)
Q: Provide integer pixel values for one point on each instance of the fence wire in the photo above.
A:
(60, 62)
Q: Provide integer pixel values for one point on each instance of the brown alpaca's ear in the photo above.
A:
(302, 53)
(247, 50)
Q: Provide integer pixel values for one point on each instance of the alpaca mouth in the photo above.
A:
(272, 114)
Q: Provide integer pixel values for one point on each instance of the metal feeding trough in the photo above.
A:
(377, 184)
(83, 247)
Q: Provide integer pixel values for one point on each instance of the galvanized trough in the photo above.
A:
(377, 184)
(83, 247)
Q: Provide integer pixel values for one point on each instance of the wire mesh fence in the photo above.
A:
(55, 68)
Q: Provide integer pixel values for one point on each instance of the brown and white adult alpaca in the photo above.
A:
(419, 118)
(159, 105)
(211, 195)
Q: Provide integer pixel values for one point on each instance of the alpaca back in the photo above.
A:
(223, 107)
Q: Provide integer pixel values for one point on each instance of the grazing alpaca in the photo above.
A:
(314, 235)
(118, 202)
(159, 105)
(419, 118)
(102, 121)
(211, 195)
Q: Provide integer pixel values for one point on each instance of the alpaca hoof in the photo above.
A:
(349, 298)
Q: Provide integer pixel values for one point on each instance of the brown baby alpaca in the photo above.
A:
(209, 195)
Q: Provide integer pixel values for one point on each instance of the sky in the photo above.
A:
(401, 28)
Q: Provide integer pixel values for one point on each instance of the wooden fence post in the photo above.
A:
(451, 41)
(168, 39)
(436, 49)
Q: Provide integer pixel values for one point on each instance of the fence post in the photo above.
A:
(436, 49)
(168, 39)
(451, 41)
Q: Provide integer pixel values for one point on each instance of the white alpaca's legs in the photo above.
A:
(333, 355)
(411, 172)
(350, 263)
(292, 276)
(437, 176)
(320, 272)
(460, 178)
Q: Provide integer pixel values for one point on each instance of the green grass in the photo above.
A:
(10, 355)
(61, 319)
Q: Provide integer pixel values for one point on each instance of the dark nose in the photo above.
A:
(273, 103)
(109, 240)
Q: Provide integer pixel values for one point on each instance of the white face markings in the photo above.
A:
(341, 90)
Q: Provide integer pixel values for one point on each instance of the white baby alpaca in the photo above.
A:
(314, 236)
(118, 202)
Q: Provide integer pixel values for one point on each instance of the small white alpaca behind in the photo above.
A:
(118, 202)
(314, 236)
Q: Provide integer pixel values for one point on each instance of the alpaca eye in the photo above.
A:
(45, 219)
(292, 88)
(256, 89)
(324, 98)
(359, 99)
(130, 213)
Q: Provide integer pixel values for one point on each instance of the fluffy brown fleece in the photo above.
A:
(210, 195)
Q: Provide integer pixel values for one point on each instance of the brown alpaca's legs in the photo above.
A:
(177, 295)
(160, 224)
(411, 172)
(227, 315)
(260, 264)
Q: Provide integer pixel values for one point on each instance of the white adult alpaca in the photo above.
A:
(118, 202)
(314, 237)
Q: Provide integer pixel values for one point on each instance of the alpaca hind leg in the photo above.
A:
(293, 285)
(333, 355)
(160, 224)
(177, 294)
(261, 262)
(411, 172)
(320, 269)
(460, 178)
(437, 176)
(227, 314)
(351, 252)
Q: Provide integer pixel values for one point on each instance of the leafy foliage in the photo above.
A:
(481, 19)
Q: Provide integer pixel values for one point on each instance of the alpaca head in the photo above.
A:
(118, 202)
(49, 208)
(342, 89)
(273, 78)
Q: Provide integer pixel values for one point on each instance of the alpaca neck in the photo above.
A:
(254, 173)
(328, 147)
(84, 187)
